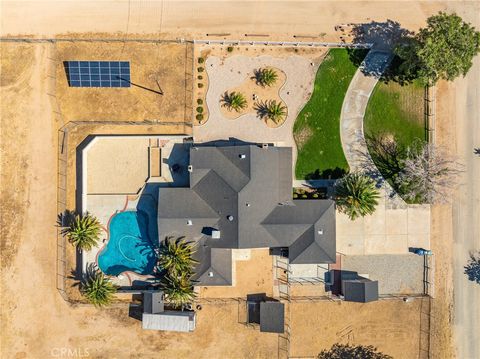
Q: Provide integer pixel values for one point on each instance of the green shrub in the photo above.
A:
(315, 195)
(200, 109)
(304, 196)
(201, 60)
(230, 48)
(200, 85)
(200, 77)
(295, 195)
(200, 69)
(199, 101)
(199, 117)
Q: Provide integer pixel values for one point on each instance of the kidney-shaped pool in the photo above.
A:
(129, 247)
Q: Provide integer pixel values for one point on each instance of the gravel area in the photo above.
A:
(396, 274)
(227, 74)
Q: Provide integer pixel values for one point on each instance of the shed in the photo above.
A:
(169, 320)
(360, 290)
(153, 302)
(272, 317)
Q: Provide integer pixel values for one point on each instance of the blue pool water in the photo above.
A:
(129, 247)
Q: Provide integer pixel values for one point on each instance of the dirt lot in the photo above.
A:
(163, 70)
(394, 328)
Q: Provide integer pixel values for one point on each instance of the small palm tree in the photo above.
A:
(272, 110)
(176, 256)
(234, 101)
(356, 195)
(178, 289)
(83, 231)
(266, 77)
(97, 288)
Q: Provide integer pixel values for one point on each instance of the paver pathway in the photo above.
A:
(351, 122)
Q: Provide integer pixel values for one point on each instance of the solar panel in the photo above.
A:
(98, 73)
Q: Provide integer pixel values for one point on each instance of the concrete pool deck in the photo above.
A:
(115, 173)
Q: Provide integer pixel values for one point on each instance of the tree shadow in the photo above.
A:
(330, 173)
(383, 35)
(476, 151)
(472, 269)
(261, 107)
(386, 154)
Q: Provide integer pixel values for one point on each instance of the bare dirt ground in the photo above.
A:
(394, 328)
(251, 276)
(159, 74)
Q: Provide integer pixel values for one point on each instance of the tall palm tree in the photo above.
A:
(234, 101)
(356, 195)
(266, 77)
(97, 288)
(83, 231)
(175, 256)
(272, 110)
(178, 289)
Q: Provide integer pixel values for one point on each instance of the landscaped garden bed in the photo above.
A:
(309, 193)
(317, 127)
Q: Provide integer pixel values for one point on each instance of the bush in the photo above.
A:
(200, 69)
(199, 101)
(315, 195)
(201, 60)
(199, 117)
(304, 196)
(295, 195)
(200, 109)
(230, 48)
(200, 85)
(200, 77)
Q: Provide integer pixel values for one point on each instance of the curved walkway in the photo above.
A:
(351, 122)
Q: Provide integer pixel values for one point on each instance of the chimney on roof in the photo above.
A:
(190, 168)
(189, 222)
(242, 156)
(320, 232)
(230, 218)
(210, 274)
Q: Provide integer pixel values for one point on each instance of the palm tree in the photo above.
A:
(356, 195)
(272, 110)
(234, 101)
(266, 77)
(97, 288)
(175, 256)
(83, 231)
(178, 289)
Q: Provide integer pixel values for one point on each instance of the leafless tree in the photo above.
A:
(429, 174)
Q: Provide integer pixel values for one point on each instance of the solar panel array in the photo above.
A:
(98, 73)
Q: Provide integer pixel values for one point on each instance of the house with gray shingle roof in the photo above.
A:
(241, 197)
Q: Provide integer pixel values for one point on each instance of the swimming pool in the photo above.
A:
(129, 247)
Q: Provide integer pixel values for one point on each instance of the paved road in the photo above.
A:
(466, 208)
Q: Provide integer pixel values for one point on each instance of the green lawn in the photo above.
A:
(396, 111)
(394, 115)
(317, 127)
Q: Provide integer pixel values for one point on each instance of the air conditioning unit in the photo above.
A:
(264, 145)
(242, 156)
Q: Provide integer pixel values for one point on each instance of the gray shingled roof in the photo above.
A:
(245, 192)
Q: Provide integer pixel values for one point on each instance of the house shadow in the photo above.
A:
(330, 173)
